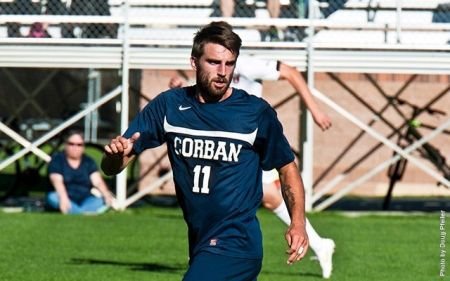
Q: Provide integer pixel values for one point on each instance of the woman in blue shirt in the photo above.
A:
(72, 175)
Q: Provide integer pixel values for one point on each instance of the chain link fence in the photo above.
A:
(60, 8)
(358, 12)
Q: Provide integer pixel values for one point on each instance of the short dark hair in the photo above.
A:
(218, 32)
(70, 132)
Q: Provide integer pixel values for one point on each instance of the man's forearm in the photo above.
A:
(293, 192)
(299, 84)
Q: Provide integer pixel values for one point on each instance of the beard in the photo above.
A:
(207, 87)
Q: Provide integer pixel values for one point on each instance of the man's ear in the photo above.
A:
(194, 63)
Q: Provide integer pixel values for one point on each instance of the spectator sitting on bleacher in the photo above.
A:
(332, 7)
(39, 30)
(83, 8)
(275, 9)
(13, 30)
(228, 9)
(94, 8)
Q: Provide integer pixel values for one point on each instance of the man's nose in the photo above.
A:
(221, 70)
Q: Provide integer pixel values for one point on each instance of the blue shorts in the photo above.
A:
(206, 266)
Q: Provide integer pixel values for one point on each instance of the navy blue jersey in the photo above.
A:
(217, 152)
(76, 180)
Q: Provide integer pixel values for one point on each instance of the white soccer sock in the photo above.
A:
(314, 239)
(313, 236)
(282, 212)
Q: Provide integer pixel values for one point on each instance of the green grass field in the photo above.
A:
(150, 244)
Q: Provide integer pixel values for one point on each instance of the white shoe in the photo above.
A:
(325, 256)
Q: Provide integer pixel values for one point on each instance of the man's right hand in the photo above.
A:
(118, 153)
(121, 146)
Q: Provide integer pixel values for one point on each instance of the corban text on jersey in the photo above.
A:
(207, 149)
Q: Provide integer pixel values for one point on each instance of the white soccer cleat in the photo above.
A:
(325, 256)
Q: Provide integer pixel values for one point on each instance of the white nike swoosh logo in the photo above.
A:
(247, 137)
(183, 108)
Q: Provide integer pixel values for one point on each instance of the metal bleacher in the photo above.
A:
(406, 42)
(158, 35)
(361, 36)
(418, 16)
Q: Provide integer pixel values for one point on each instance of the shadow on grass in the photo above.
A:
(159, 267)
(295, 275)
(138, 266)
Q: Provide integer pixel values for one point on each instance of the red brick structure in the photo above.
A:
(334, 152)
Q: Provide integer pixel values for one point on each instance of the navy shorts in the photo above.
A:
(206, 266)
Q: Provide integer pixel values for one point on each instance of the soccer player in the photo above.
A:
(248, 75)
(219, 140)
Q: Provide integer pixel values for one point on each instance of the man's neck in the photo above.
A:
(212, 99)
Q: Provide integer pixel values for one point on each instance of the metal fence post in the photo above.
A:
(121, 180)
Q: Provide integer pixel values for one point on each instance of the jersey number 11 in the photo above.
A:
(201, 173)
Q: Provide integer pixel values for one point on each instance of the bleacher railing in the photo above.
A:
(103, 18)
(55, 33)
